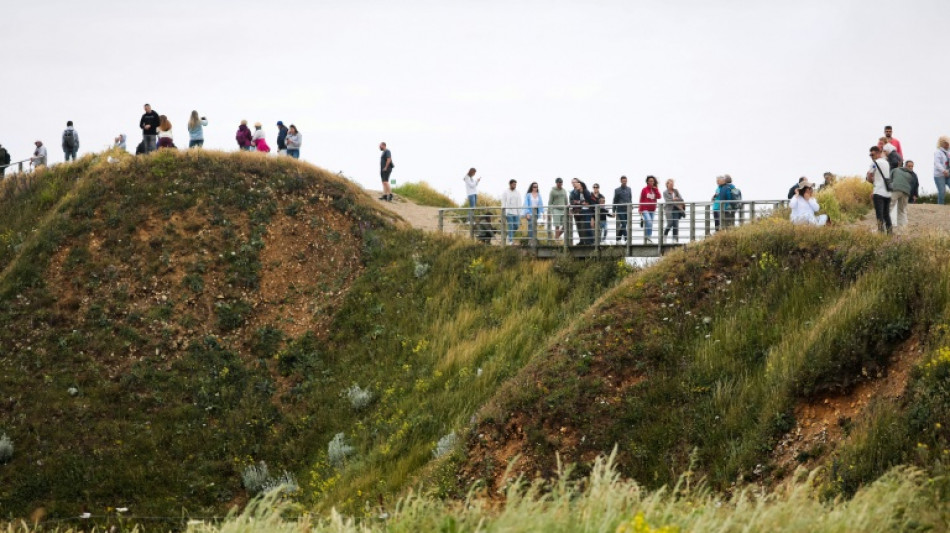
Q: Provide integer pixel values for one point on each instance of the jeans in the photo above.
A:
(673, 224)
(512, 226)
(150, 142)
(603, 229)
(294, 152)
(584, 231)
(648, 222)
(196, 143)
(70, 153)
(472, 200)
(621, 222)
(882, 209)
(942, 184)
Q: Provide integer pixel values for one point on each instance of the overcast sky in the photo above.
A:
(532, 90)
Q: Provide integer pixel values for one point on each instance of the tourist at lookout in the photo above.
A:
(794, 189)
(888, 131)
(557, 199)
(165, 137)
(385, 170)
(881, 196)
(533, 209)
(149, 125)
(196, 132)
(894, 159)
(601, 222)
(674, 208)
(260, 144)
(243, 136)
(471, 188)
(623, 197)
(293, 140)
(915, 184)
(902, 187)
(942, 167)
(511, 204)
(581, 201)
(649, 195)
(70, 141)
(4, 160)
(805, 207)
(39, 155)
(281, 136)
(119, 141)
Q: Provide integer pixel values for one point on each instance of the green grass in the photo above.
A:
(423, 194)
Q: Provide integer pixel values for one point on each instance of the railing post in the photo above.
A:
(595, 225)
(441, 220)
(692, 221)
(568, 227)
(752, 212)
(659, 235)
(471, 223)
(708, 210)
(629, 209)
(505, 230)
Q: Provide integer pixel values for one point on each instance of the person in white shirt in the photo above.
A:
(804, 206)
(39, 155)
(471, 190)
(881, 196)
(511, 202)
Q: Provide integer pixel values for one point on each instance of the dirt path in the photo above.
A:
(921, 219)
(418, 216)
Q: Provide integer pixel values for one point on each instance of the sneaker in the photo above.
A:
(383, 197)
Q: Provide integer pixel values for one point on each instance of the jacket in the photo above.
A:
(293, 141)
(197, 134)
(941, 162)
(243, 136)
(533, 207)
(623, 195)
(903, 180)
(149, 119)
(281, 135)
(582, 199)
(648, 198)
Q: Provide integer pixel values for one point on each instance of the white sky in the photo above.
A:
(532, 90)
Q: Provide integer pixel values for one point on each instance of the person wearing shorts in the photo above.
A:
(385, 169)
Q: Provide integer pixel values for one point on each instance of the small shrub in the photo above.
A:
(338, 450)
(231, 316)
(359, 398)
(854, 197)
(445, 445)
(421, 269)
(423, 194)
(255, 477)
(829, 205)
(6, 448)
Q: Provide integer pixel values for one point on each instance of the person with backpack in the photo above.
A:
(196, 132)
(281, 137)
(942, 167)
(894, 158)
(4, 160)
(726, 202)
(243, 136)
(902, 188)
(70, 141)
(149, 124)
(880, 177)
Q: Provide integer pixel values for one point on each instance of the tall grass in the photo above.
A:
(423, 194)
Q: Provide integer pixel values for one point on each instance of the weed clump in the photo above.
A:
(445, 445)
(423, 194)
(257, 479)
(6, 448)
(338, 450)
(359, 398)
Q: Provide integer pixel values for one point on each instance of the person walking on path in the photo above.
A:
(648, 198)
(601, 222)
(533, 209)
(70, 141)
(293, 140)
(511, 204)
(243, 136)
(881, 197)
(902, 186)
(196, 132)
(581, 201)
(674, 208)
(623, 197)
(897, 144)
(149, 125)
(260, 144)
(557, 198)
(804, 207)
(4, 160)
(942, 167)
(39, 155)
(281, 136)
(385, 169)
(165, 137)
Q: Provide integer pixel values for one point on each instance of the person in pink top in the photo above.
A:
(897, 144)
(648, 198)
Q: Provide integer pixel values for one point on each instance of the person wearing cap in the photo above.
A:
(70, 142)
(281, 136)
(623, 197)
(511, 203)
(149, 125)
(258, 141)
(557, 199)
(600, 199)
(888, 131)
(39, 155)
(196, 132)
(804, 207)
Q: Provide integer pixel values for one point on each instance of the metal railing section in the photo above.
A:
(18, 164)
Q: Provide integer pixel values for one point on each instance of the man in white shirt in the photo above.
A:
(511, 202)
(881, 197)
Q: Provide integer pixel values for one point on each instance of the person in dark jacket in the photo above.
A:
(600, 199)
(581, 203)
(281, 138)
(791, 192)
(894, 158)
(4, 160)
(915, 182)
(244, 136)
(623, 195)
(70, 142)
(149, 124)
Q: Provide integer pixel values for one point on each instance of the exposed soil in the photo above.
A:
(921, 219)
(418, 216)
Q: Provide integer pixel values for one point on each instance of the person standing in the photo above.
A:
(281, 136)
(293, 140)
(716, 205)
(165, 137)
(533, 209)
(471, 192)
(623, 197)
(4, 160)
(385, 170)
(881, 197)
(942, 167)
(511, 204)
(557, 199)
(120, 141)
(39, 155)
(196, 132)
(581, 201)
(648, 198)
(915, 184)
(260, 143)
(70, 141)
(149, 124)
(894, 159)
(600, 199)
(902, 187)
(897, 144)
(674, 208)
(243, 136)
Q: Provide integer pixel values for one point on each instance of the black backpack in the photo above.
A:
(69, 139)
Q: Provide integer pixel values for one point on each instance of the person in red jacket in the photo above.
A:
(648, 197)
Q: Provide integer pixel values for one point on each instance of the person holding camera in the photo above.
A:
(196, 132)
(804, 206)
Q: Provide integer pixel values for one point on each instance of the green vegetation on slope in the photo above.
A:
(707, 354)
(423, 194)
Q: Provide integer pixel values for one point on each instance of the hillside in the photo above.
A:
(174, 319)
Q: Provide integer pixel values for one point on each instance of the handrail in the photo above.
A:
(3, 168)
(566, 226)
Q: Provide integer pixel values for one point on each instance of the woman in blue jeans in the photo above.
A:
(942, 167)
